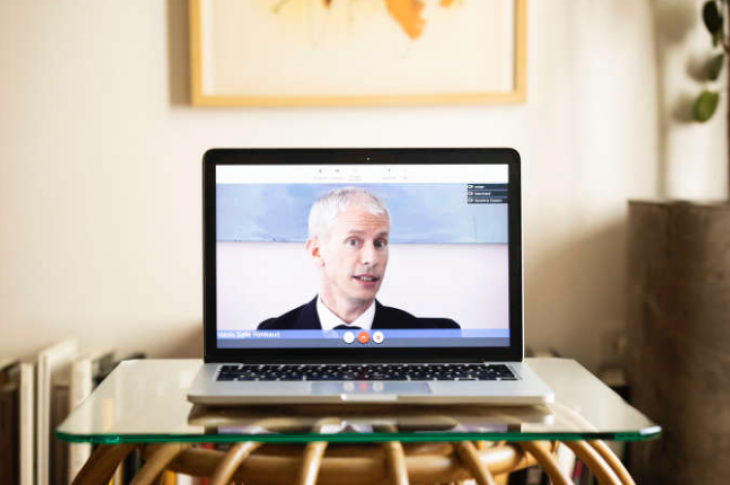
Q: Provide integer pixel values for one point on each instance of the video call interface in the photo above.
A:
(353, 256)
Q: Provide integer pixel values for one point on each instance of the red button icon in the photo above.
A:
(363, 337)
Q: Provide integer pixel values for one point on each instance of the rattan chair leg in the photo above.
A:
(397, 470)
(593, 460)
(313, 454)
(233, 459)
(158, 462)
(469, 456)
(613, 461)
(542, 454)
(102, 464)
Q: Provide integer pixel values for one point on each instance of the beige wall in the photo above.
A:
(100, 211)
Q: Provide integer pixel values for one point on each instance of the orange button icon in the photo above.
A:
(363, 337)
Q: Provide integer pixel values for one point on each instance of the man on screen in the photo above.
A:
(348, 242)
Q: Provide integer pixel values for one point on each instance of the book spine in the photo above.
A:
(566, 460)
(80, 388)
(59, 449)
(169, 478)
(42, 457)
(26, 423)
(9, 459)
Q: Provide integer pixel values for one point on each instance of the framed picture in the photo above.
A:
(357, 52)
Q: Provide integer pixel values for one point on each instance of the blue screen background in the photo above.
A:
(420, 213)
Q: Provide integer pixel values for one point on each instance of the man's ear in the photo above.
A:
(313, 248)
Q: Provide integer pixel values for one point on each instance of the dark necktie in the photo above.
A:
(347, 327)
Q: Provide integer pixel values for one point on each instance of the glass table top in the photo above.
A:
(144, 401)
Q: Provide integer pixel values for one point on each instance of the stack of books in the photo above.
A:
(36, 395)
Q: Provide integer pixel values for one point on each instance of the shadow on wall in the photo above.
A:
(178, 52)
(575, 298)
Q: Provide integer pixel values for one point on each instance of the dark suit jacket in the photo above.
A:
(305, 317)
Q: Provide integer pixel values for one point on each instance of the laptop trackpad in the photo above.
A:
(371, 388)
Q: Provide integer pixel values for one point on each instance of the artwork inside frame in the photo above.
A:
(357, 52)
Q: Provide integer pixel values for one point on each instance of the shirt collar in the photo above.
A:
(329, 320)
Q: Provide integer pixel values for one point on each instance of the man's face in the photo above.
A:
(353, 256)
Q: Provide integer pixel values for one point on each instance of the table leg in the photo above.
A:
(546, 461)
(158, 462)
(613, 461)
(313, 454)
(396, 458)
(102, 464)
(469, 456)
(228, 466)
(593, 460)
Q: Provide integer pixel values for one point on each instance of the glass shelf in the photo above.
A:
(145, 401)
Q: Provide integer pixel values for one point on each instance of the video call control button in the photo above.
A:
(363, 337)
(378, 337)
(348, 337)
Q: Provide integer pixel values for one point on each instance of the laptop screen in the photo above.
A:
(340, 256)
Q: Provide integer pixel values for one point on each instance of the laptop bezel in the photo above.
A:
(409, 156)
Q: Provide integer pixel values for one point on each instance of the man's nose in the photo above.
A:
(367, 256)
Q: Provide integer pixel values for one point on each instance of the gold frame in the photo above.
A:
(516, 96)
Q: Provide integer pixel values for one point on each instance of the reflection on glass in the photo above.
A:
(332, 420)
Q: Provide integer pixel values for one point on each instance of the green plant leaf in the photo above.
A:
(705, 106)
(714, 68)
(717, 38)
(712, 17)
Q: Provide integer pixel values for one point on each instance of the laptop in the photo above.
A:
(363, 276)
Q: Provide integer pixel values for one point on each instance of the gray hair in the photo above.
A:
(325, 210)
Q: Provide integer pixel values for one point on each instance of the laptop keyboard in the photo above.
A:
(366, 372)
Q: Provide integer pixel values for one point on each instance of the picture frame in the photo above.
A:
(357, 52)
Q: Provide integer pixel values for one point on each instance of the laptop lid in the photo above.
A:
(362, 255)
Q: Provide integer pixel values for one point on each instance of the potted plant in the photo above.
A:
(678, 328)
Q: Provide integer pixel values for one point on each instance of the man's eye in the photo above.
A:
(381, 243)
(352, 242)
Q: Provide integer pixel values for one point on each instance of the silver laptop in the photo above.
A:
(363, 276)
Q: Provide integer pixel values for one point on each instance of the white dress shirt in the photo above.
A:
(329, 320)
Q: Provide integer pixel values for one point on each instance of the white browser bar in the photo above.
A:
(363, 174)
